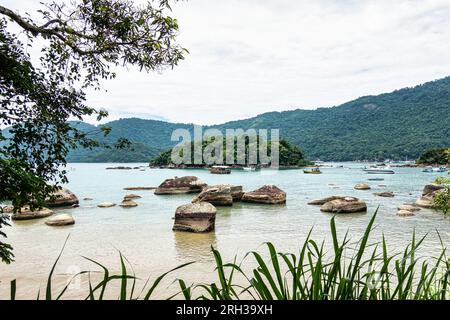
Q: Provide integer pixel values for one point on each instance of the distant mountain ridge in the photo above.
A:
(397, 125)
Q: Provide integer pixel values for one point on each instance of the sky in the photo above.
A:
(253, 56)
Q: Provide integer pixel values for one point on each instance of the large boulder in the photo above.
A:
(25, 213)
(344, 205)
(362, 186)
(268, 194)
(176, 185)
(62, 197)
(428, 193)
(430, 189)
(324, 200)
(219, 195)
(64, 219)
(195, 217)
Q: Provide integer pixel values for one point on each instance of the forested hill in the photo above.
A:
(396, 125)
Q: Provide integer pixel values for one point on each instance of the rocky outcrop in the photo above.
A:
(195, 217)
(428, 193)
(387, 194)
(62, 197)
(324, 200)
(362, 186)
(219, 195)
(106, 205)
(188, 184)
(344, 205)
(64, 219)
(268, 194)
(236, 192)
(26, 213)
(128, 203)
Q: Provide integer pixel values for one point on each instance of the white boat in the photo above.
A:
(249, 168)
(434, 169)
(379, 170)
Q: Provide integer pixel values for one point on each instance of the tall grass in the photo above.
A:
(371, 272)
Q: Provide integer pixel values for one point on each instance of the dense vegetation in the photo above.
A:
(351, 270)
(289, 154)
(435, 156)
(398, 125)
(79, 42)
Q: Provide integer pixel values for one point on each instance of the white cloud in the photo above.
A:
(252, 56)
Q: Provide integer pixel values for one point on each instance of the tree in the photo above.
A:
(82, 41)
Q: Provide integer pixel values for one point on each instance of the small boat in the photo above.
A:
(220, 170)
(312, 171)
(249, 168)
(379, 170)
(434, 169)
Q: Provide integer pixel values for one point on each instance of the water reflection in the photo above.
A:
(194, 246)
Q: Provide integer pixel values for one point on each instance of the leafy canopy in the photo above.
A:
(81, 40)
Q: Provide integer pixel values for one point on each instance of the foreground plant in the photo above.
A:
(370, 272)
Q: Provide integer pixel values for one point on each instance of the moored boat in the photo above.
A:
(379, 170)
(220, 170)
(312, 171)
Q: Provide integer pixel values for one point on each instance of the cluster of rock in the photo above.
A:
(340, 204)
(199, 215)
(428, 194)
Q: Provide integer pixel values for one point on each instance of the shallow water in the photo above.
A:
(144, 234)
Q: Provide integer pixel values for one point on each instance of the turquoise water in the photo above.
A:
(144, 234)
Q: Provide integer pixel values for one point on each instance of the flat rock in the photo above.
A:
(387, 194)
(195, 217)
(219, 195)
(106, 205)
(177, 185)
(362, 186)
(128, 204)
(26, 214)
(408, 207)
(131, 196)
(324, 200)
(64, 219)
(405, 213)
(62, 197)
(344, 205)
(268, 194)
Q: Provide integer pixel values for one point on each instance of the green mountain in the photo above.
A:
(396, 125)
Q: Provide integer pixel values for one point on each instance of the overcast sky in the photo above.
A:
(252, 56)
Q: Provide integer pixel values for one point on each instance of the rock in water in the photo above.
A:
(387, 194)
(405, 213)
(428, 193)
(195, 217)
(106, 205)
(362, 186)
(64, 219)
(131, 196)
(127, 203)
(324, 200)
(219, 195)
(26, 213)
(408, 207)
(344, 205)
(188, 184)
(268, 194)
(62, 197)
